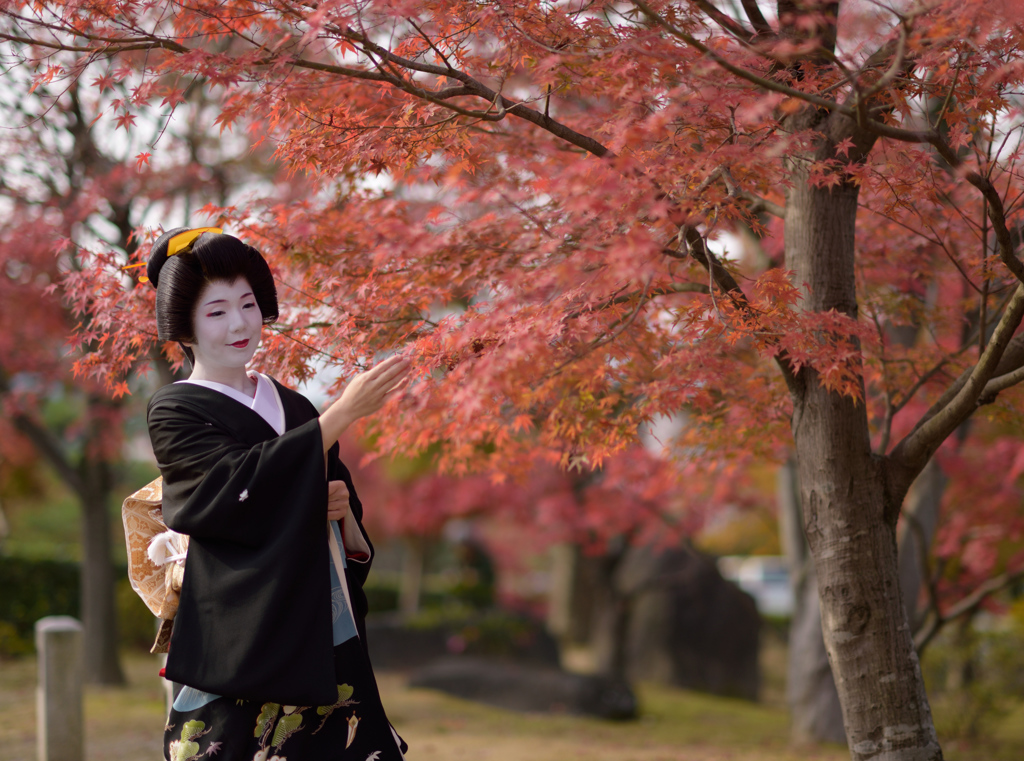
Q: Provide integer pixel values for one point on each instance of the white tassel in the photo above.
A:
(166, 548)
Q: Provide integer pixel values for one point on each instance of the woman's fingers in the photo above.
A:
(337, 500)
(365, 394)
(389, 370)
(403, 381)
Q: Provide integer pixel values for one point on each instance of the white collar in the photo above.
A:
(266, 402)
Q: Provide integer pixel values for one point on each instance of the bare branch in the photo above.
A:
(967, 605)
(106, 49)
(927, 577)
(915, 449)
(1001, 383)
(48, 446)
(725, 21)
(757, 19)
(996, 209)
(898, 59)
(669, 290)
(739, 71)
(720, 276)
(758, 204)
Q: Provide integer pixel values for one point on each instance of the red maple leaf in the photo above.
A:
(126, 120)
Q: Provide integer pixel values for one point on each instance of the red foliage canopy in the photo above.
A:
(533, 199)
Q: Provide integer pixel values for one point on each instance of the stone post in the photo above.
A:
(59, 693)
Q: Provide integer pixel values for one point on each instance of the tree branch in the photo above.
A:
(1001, 383)
(725, 21)
(49, 447)
(668, 290)
(996, 208)
(967, 605)
(915, 449)
(698, 250)
(757, 19)
(927, 579)
(106, 49)
(757, 204)
(1013, 358)
(739, 71)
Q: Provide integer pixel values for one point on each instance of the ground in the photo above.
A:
(125, 724)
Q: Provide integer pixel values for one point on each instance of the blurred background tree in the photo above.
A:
(70, 184)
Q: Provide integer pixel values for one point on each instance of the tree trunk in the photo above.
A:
(410, 590)
(810, 690)
(609, 614)
(98, 583)
(848, 519)
(921, 517)
(574, 595)
(90, 480)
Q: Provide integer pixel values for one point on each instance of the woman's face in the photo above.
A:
(227, 324)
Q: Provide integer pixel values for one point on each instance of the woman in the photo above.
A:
(268, 651)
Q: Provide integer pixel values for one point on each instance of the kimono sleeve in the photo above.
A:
(218, 488)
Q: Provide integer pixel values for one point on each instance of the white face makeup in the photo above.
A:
(227, 323)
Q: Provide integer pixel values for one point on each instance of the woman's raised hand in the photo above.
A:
(367, 392)
(364, 395)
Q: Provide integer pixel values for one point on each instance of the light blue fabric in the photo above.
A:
(344, 624)
(189, 699)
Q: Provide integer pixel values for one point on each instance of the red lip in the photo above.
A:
(241, 344)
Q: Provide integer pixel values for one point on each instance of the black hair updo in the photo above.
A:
(180, 279)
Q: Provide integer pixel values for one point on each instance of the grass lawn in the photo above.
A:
(125, 724)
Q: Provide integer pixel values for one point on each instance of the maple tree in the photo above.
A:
(979, 542)
(555, 177)
(47, 192)
(67, 185)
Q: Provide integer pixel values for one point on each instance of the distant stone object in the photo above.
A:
(763, 577)
(521, 687)
(394, 645)
(687, 625)
(397, 644)
(59, 716)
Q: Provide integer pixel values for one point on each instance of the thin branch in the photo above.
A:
(47, 445)
(45, 442)
(898, 59)
(433, 47)
(927, 578)
(758, 204)
(996, 210)
(967, 605)
(617, 328)
(1001, 383)
(108, 49)
(720, 276)
(918, 384)
(757, 19)
(725, 21)
(889, 408)
(922, 442)
(767, 84)
(669, 290)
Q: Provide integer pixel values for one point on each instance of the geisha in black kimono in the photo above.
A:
(267, 654)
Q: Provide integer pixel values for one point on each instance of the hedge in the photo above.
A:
(29, 590)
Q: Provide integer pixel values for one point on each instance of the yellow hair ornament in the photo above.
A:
(142, 278)
(182, 242)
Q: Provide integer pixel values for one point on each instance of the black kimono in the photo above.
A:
(257, 669)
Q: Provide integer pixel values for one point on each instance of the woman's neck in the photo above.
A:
(236, 378)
